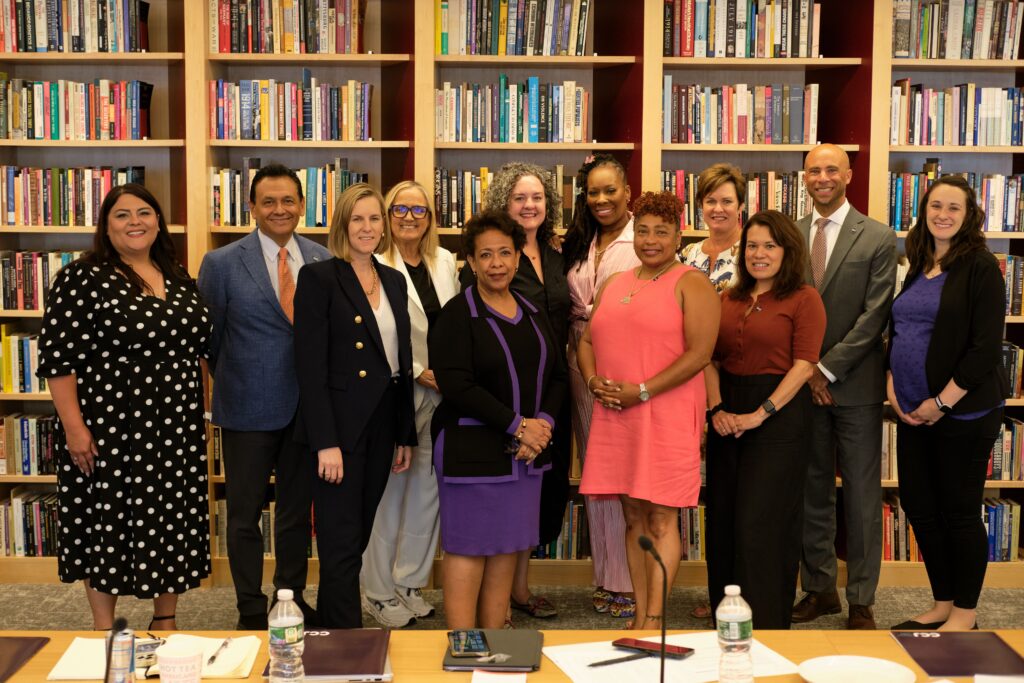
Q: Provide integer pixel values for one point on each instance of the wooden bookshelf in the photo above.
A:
(623, 69)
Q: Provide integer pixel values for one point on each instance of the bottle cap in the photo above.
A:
(287, 594)
(730, 590)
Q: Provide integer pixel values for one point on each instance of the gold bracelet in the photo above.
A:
(522, 429)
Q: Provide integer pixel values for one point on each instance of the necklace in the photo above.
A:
(373, 287)
(636, 278)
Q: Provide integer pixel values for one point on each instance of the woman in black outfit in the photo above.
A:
(353, 360)
(947, 386)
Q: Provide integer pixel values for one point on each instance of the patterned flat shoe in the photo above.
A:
(622, 607)
(602, 600)
(537, 606)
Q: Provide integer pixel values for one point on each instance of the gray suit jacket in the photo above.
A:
(857, 292)
(251, 356)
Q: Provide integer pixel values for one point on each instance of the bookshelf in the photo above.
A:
(622, 67)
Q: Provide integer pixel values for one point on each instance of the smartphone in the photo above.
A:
(468, 643)
(673, 651)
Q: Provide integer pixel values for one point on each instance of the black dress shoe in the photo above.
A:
(310, 617)
(814, 605)
(911, 625)
(252, 622)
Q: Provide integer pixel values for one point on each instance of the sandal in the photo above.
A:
(537, 606)
(701, 611)
(509, 626)
(622, 607)
(602, 600)
(156, 618)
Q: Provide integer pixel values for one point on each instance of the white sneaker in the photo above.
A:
(413, 600)
(390, 613)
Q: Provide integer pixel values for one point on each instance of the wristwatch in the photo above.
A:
(942, 406)
(768, 406)
(644, 394)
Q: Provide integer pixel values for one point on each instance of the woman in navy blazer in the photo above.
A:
(353, 358)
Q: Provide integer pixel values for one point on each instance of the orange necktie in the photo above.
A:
(286, 285)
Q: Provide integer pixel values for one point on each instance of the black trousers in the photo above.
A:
(249, 460)
(942, 471)
(754, 511)
(554, 490)
(344, 514)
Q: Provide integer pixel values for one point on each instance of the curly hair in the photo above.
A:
(716, 175)
(664, 205)
(969, 238)
(500, 192)
(584, 227)
(794, 266)
(491, 219)
(161, 252)
(430, 241)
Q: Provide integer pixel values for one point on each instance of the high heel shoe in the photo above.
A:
(156, 618)
(911, 625)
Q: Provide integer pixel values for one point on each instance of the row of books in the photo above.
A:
(19, 358)
(1000, 196)
(28, 522)
(266, 523)
(511, 27)
(898, 540)
(286, 26)
(512, 112)
(781, 191)
(59, 196)
(458, 194)
(321, 187)
(741, 28)
(956, 29)
(74, 26)
(1012, 267)
(573, 542)
(1002, 521)
(1005, 462)
(26, 277)
(962, 115)
(26, 444)
(739, 114)
(68, 110)
(692, 532)
(282, 110)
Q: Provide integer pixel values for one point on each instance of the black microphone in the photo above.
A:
(120, 624)
(648, 547)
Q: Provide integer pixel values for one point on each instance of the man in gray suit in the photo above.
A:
(853, 266)
(248, 287)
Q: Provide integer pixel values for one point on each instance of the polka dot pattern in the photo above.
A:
(139, 525)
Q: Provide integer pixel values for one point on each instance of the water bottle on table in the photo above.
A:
(285, 634)
(735, 631)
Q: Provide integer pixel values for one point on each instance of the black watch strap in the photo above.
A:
(718, 408)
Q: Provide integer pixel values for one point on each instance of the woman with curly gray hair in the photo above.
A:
(527, 192)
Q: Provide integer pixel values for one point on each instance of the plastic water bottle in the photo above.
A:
(735, 631)
(285, 634)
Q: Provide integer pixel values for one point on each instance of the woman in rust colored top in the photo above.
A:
(758, 405)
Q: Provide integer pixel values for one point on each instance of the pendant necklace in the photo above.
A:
(636, 278)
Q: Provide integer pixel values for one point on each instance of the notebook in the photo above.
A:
(345, 656)
(14, 652)
(522, 646)
(960, 653)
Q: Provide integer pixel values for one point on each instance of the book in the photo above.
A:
(358, 654)
(523, 646)
(961, 653)
(15, 651)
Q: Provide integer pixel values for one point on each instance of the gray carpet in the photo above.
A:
(63, 607)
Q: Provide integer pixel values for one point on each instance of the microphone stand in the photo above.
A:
(648, 547)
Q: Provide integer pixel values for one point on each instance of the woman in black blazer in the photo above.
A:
(947, 386)
(353, 358)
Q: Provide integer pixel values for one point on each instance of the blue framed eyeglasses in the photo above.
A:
(400, 210)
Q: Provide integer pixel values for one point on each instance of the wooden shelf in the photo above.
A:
(20, 314)
(539, 146)
(955, 149)
(98, 144)
(314, 144)
(116, 58)
(309, 59)
(957, 64)
(773, 64)
(13, 396)
(712, 147)
(29, 569)
(245, 230)
(28, 478)
(522, 61)
(67, 229)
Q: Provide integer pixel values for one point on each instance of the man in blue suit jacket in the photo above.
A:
(255, 391)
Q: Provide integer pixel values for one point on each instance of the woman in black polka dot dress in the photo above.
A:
(122, 336)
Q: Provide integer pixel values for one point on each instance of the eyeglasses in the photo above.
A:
(400, 210)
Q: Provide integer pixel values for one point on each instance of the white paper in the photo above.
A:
(85, 658)
(990, 678)
(700, 667)
(496, 677)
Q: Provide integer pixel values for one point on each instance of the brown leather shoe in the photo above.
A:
(861, 618)
(814, 605)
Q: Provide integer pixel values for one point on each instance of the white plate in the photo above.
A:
(853, 669)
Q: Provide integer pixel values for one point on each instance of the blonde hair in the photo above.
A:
(337, 238)
(429, 242)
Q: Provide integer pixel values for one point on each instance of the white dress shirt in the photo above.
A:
(835, 222)
(270, 251)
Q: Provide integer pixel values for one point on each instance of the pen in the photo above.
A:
(213, 657)
(618, 660)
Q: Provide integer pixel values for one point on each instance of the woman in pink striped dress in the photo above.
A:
(598, 245)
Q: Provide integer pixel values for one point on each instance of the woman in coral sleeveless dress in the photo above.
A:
(651, 335)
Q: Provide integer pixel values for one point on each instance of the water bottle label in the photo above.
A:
(735, 630)
(285, 635)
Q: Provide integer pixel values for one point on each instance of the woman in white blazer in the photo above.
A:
(397, 562)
